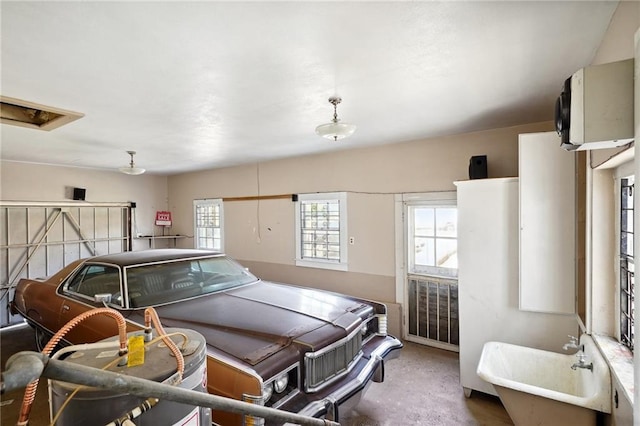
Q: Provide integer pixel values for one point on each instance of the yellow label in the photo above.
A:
(136, 351)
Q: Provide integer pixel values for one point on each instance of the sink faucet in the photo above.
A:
(582, 363)
(573, 344)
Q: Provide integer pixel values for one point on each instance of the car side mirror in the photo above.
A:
(102, 298)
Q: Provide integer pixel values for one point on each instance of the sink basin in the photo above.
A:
(540, 387)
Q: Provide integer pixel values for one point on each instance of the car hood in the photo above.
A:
(257, 320)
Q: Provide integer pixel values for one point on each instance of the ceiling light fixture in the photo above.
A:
(335, 130)
(131, 169)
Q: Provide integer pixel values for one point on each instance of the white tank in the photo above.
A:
(90, 406)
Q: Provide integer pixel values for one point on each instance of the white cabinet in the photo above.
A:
(547, 225)
(488, 269)
(488, 230)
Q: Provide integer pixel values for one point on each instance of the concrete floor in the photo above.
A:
(421, 387)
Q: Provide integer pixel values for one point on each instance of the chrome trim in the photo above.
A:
(61, 288)
(294, 393)
(332, 346)
(376, 332)
(383, 324)
(252, 399)
(387, 351)
(247, 419)
(63, 291)
(286, 370)
(310, 357)
(285, 397)
(331, 379)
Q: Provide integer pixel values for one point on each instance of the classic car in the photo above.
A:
(292, 348)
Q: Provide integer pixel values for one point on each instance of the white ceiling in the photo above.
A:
(192, 86)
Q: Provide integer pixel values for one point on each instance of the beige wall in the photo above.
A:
(35, 182)
(262, 236)
(617, 45)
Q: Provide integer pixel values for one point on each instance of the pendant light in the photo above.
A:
(131, 169)
(335, 129)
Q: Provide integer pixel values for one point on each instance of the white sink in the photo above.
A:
(540, 387)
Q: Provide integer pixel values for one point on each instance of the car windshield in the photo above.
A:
(168, 282)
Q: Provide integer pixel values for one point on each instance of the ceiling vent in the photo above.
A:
(28, 114)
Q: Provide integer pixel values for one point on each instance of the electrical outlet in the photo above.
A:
(352, 240)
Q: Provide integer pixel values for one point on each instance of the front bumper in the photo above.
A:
(348, 391)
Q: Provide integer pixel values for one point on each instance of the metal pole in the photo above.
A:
(25, 367)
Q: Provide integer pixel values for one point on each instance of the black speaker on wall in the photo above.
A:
(79, 193)
(478, 167)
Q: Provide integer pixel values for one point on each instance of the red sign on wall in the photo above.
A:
(163, 218)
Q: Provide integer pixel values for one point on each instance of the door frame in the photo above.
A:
(401, 202)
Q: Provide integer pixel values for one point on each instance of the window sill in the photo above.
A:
(322, 265)
(620, 361)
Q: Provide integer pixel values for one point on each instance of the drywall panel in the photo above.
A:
(547, 225)
(603, 245)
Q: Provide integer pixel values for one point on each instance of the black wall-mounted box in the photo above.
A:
(478, 167)
(79, 194)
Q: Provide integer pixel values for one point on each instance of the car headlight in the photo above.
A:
(267, 391)
(281, 382)
(364, 329)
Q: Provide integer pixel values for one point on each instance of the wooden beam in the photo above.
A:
(259, 197)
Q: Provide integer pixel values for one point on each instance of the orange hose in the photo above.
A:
(30, 391)
(150, 315)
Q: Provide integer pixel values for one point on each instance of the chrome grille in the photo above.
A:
(331, 362)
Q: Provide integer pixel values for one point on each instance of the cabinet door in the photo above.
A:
(488, 272)
(547, 224)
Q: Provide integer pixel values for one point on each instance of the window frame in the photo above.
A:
(624, 272)
(434, 201)
(208, 202)
(78, 279)
(342, 264)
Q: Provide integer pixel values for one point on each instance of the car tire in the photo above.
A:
(42, 338)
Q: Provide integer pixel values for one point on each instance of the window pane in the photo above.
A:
(447, 253)
(334, 238)
(423, 220)
(627, 273)
(320, 233)
(446, 222)
(208, 225)
(425, 251)
(627, 193)
(433, 240)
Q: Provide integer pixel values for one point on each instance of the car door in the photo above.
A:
(79, 297)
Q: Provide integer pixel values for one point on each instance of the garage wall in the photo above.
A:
(35, 182)
(261, 235)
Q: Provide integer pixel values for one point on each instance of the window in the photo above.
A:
(208, 221)
(95, 279)
(321, 230)
(433, 244)
(627, 268)
(430, 225)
